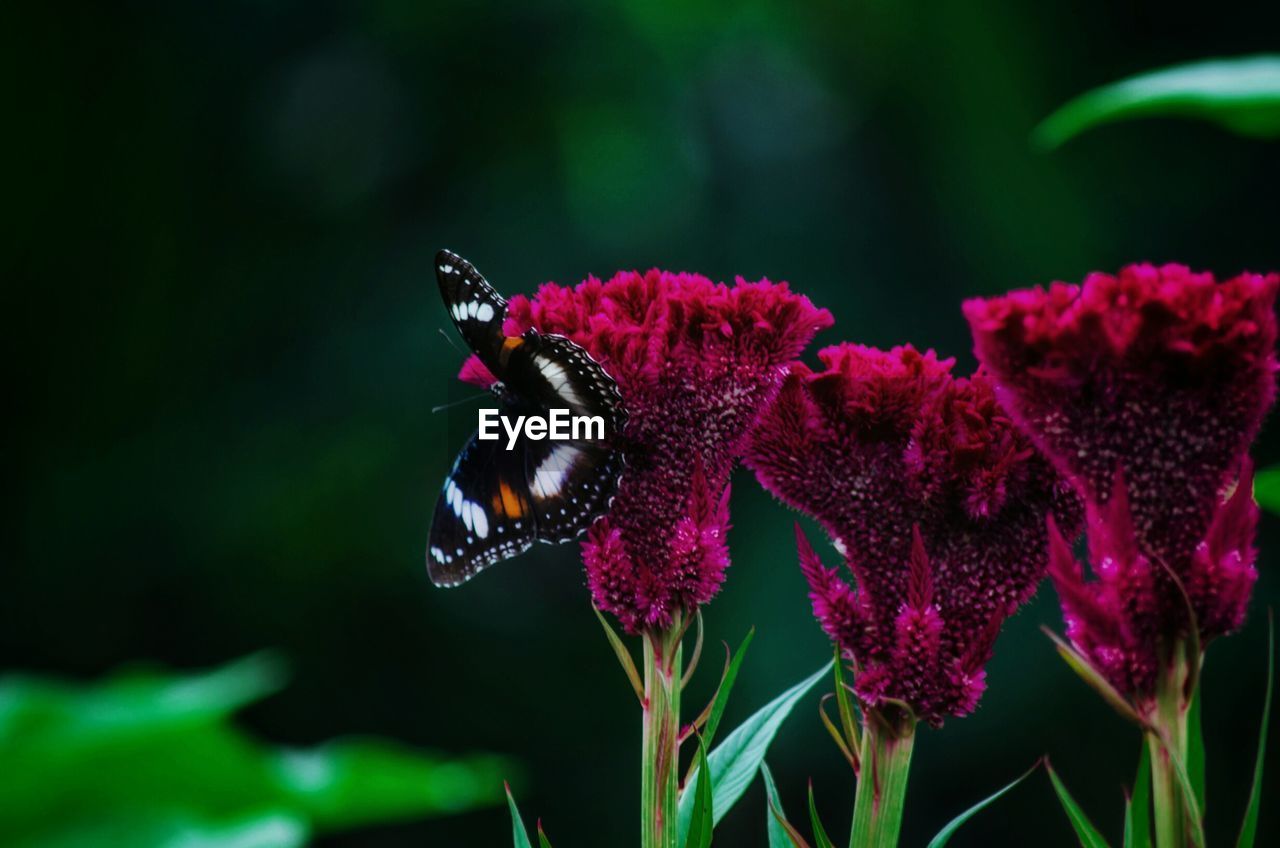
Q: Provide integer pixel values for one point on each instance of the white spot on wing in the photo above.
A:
(550, 475)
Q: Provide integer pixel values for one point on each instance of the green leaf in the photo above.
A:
(1249, 827)
(1085, 831)
(734, 762)
(700, 825)
(519, 836)
(820, 838)
(1137, 810)
(543, 841)
(775, 820)
(952, 826)
(726, 685)
(1241, 94)
(1195, 747)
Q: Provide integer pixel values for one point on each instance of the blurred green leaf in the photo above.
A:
(1137, 810)
(703, 815)
(135, 759)
(1249, 827)
(178, 830)
(543, 841)
(1085, 831)
(820, 838)
(1241, 94)
(952, 826)
(1266, 489)
(349, 782)
(735, 761)
(519, 836)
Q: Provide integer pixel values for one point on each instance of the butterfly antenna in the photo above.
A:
(454, 403)
(451, 342)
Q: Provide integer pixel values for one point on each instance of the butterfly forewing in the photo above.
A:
(476, 309)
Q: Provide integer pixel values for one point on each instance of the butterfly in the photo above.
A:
(496, 502)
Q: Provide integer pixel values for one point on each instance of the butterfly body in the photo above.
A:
(501, 497)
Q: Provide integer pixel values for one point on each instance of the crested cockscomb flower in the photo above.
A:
(695, 361)
(937, 504)
(1144, 389)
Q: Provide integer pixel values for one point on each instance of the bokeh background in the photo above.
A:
(221, 343)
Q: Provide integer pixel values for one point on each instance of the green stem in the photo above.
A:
(887, 740)
(659, 775)
(1169, 718)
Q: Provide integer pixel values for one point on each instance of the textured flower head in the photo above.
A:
(695, 361)
(937, 503)
(1145, 390)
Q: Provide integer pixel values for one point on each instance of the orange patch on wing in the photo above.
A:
(512, 504)
(508, 347)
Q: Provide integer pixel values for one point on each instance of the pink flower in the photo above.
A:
(695, 361)
(1145, 390)
(937, 503)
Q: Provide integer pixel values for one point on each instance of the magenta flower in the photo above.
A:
(1144, 389)
(696, 361)
(936, 502)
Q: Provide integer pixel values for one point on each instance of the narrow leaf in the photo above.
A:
(1085, 831)
(692, 665)
(781, 833)
(835, 733)
(1241, 94)
(952, 826)
(1249, 827)
(1137, 811)
(726, 685)
(1195, 747)
(624, 656)
(700, 825)
(543, 841)
(820, 838)
(519, 836)
(735, 761)
(847, 719)
(1194, 815)
(1096, 681)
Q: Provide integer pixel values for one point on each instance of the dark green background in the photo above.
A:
(221, 345)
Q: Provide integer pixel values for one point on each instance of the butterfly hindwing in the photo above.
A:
(484, 513)
(571, 482)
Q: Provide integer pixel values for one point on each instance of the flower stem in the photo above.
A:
(1169, 719)
(660, 770)
(887, 740)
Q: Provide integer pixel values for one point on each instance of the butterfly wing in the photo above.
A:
(484, 513)
(477, 310)
(570, 482)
